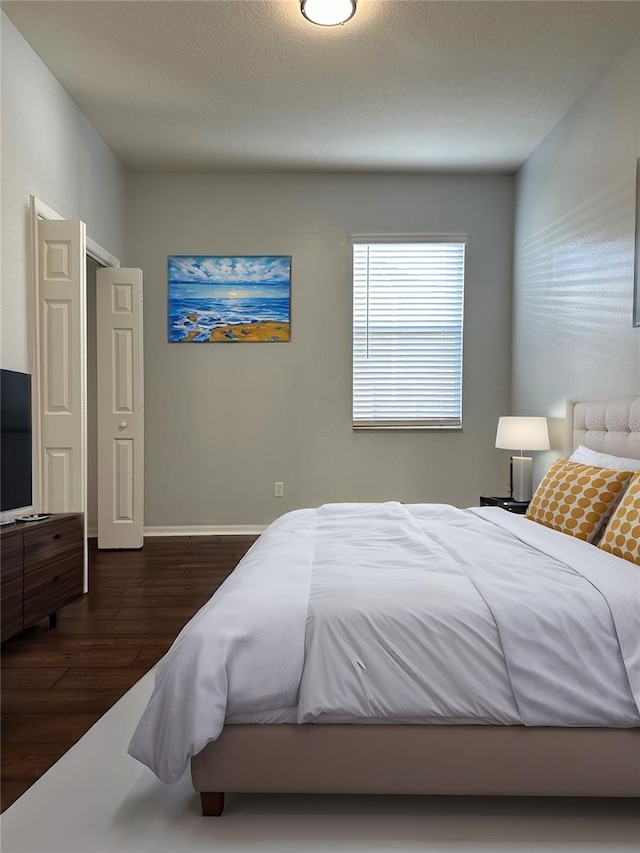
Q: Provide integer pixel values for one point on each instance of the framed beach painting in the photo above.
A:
(229, 298)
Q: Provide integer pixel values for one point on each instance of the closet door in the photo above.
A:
(61, 354)
(120, 408)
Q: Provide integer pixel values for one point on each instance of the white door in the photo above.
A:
(120, 408)
(61, 354)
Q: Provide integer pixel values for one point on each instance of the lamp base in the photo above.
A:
(521, 478)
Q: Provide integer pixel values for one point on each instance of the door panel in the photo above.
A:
(62, 360)
(120, 408)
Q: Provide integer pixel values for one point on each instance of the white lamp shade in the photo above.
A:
(522, 434)
(328, 13)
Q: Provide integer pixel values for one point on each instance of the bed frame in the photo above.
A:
(423, 759)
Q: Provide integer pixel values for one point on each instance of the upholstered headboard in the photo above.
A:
(610, 426)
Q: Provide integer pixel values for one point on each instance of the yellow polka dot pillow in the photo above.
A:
(622, 534)
(577, 499)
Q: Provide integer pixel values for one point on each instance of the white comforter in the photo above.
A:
(392, 613)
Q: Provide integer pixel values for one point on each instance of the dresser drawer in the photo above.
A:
(48, 588)
(11, 607)
(53, 541)
(11, 557)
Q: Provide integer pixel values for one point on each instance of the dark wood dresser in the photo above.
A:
(41, 568)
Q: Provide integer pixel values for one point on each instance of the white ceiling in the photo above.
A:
(246, 85)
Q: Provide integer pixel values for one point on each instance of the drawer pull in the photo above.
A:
(57, 535)
(57, 577)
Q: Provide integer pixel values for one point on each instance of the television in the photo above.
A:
(16, 444)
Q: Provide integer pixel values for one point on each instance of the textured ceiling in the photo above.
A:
(246, 85)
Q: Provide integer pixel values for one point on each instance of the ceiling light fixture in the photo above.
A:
(328, 13)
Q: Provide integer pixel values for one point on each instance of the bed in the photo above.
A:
(500, 708)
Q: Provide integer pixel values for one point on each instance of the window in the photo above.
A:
(407, 332)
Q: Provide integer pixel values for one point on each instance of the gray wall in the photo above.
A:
(49, 150)
(574, 247)
(223, 422)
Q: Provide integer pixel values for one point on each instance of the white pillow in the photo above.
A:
(586, 456)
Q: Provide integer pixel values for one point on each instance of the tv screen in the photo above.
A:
(15, 440)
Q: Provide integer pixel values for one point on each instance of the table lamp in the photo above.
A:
(522, 434)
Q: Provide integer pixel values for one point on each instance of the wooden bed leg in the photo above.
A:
(212, 803)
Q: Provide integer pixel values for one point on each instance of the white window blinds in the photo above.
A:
(407, 332)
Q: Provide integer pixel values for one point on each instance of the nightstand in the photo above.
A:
(519, 507)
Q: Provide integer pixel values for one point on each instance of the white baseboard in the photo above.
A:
(207, 530)
(198, 530)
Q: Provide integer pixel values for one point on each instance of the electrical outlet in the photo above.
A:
(278, 490)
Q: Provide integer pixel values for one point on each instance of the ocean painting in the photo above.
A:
(229, 298)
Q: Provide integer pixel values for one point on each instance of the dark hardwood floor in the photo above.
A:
(57, 683)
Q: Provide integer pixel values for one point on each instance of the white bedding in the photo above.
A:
(391, 613)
